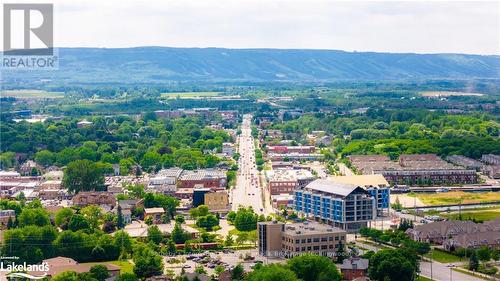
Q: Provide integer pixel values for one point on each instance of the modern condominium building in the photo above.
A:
(344, 205)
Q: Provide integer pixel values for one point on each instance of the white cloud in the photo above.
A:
(403, 26)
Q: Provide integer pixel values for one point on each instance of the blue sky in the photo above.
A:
(382, 26)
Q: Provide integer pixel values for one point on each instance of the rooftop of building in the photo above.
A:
(329, 186)
(288, 174)
(167, 173)
(362, 180)
(310, 228)
(203, 174)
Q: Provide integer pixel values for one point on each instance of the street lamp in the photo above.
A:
(451, 266)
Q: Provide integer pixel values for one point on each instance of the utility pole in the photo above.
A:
(432, 252)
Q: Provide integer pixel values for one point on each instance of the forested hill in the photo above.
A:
(159, 64)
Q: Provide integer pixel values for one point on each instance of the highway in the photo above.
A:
(248, 190)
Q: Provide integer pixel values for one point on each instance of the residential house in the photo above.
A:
(353, 268)
(155, 213)
(101, 198)
(58, 265)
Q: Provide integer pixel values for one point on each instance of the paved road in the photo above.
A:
(248, 190)
(440, 271)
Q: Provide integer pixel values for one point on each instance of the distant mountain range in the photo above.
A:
(162, 64)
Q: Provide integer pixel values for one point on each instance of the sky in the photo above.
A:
(382, 26)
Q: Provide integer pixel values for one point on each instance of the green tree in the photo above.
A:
(180, 219)
(393, 265)
(229, 240)
(311, 267)
(127, 277)
(171, 249)
(44, 158)
(154, 234)
(120, 222)
(93, 215)
(99, 272)
(484, 254)
(272, 272)
(78, 222)
(33, 216)
(238, 272)
(245, 219)
(473, 261)
(208, 222)
(83, 175)
(179, 236)
(63, 217)
(147, 263)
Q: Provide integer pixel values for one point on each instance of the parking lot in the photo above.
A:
(209, 260)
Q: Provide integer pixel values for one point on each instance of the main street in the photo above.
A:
(248, 190)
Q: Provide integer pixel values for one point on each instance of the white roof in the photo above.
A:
(329, 186)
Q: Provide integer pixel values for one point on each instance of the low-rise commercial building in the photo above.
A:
(279, 149)
(281, 181)
(165, 181)
(295, 156)
(204, 178)
(277, 239)
(83, 199)
(217, 201)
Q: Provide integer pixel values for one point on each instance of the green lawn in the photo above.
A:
(455, 197)
(478, 215)
(422, 278)
(442, 256)
(31, 94)
(125, 266)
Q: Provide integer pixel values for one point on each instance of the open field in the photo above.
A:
(31, 94)
(125, 266)
(437, 94)
(454, 197)
(482, 215)
(442, 256)
(189, 94)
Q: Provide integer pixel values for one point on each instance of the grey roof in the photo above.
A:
(355, 263)
(329, 186)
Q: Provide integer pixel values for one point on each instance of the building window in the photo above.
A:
(316, 248)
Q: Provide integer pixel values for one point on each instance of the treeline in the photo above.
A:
(394, 132)
(150, 142)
